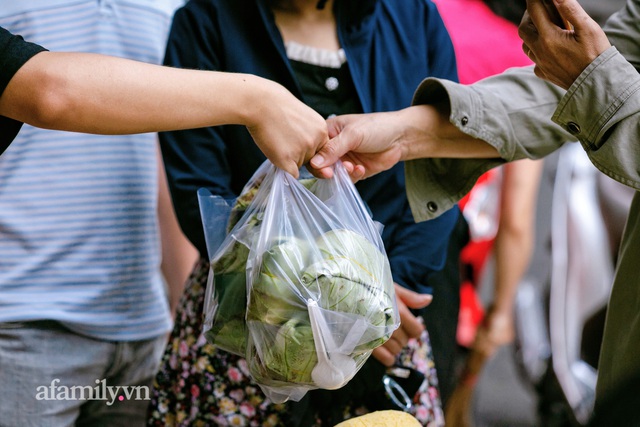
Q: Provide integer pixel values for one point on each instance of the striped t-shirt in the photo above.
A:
(79, 241)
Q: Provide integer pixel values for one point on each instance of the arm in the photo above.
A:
(197, 158)
(457, 132)
(511, 113)
(100, 94)
(178, 255)
(512, 251)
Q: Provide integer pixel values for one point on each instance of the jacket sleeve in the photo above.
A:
(194, 158)
(510, 111)
(513, 112)
(602, 107)
(418, 249)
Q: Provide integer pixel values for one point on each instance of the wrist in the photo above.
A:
(417, 139)
(251, 106)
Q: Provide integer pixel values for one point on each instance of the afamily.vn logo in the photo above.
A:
(101, 391)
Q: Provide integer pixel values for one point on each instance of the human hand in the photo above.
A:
(374, 142)
(560, 54)
(410, 325)
(496, 330)
(366, 143)
(287, 131)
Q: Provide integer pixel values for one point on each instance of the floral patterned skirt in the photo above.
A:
(200, 385)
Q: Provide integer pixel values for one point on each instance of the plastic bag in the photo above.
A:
(301, 285)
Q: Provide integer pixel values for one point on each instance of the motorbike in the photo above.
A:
(560, 310)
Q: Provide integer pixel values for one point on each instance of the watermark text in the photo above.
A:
(101, 391)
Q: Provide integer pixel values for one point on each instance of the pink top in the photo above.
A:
(474, 28)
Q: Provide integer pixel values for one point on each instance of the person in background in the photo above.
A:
(86, 222)
(337, 56)
(589, 95)
(100, 234)
(505, 197)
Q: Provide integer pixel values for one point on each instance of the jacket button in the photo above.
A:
(464, 120)
(432, 206)
(573, 128)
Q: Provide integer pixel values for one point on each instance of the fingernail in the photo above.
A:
(317, 161)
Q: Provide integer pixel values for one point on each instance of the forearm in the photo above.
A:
(99, 94)
(514, 241)
(512, 251)
(430, 134)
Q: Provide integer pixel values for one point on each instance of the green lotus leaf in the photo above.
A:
(232, 260)
(291, 356)
(272, 300)
(275, 296)
(354, 278)
(229, 330)
(286, 258)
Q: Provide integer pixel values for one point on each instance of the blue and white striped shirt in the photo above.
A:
(78, 213)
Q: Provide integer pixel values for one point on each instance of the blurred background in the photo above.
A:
(505, 394)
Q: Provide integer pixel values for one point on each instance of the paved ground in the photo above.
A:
(503, 400)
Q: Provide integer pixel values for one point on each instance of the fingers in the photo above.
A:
(406, 299)
(573, 14)
(554, 15)
(332, 150)
(387, 353)
(329, 153)
(384, 356)
(343, 139)
(397, 342)
(535, 20)
(411, 298)
(410, 325)
(358, 173)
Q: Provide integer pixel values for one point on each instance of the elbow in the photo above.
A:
(51, 105)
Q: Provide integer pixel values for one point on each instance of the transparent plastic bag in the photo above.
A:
(318, 294)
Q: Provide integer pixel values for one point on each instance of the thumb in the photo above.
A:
(572, 13)
(411, 298)
(339, 144)
(330, 153)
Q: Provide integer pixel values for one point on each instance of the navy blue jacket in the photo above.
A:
(391, 45)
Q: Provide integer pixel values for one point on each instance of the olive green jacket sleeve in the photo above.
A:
(523, 116)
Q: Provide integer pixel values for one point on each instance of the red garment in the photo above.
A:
(485, 44)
